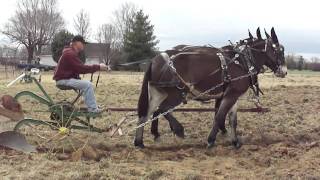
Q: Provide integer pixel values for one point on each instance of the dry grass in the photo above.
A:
(283, 144)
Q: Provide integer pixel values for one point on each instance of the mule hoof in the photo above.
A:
(237, 144)
(138, 144)
(157, 139)
(179, 132)
(224, 132)
(141, 146)
(210, 145)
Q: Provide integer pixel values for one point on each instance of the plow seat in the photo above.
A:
(63, 87)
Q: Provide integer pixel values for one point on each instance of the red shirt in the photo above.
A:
(69, 66)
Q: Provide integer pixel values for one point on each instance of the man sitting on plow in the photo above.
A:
(68, 69)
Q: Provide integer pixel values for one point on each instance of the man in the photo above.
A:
(69, 67)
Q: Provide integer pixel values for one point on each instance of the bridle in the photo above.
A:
(276, 51)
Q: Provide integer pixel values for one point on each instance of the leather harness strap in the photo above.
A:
(243, 54)
(225, 76)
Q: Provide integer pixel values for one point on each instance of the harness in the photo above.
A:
(224, 67)
(243, 57)
(247, 57)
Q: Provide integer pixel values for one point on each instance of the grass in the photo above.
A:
(275, 143)
(304, 72)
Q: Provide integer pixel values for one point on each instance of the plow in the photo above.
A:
(67, 125)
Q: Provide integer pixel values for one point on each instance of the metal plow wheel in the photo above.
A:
(59, 134)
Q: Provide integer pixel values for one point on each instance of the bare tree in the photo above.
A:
(123, 18)
(34, 24)
(8, 57)
(82, 23)
(315, 59)
(108, 35)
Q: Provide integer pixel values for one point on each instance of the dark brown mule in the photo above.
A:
(170, 80)
(175, 126)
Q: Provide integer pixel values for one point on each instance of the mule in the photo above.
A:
(170, 81)
(175, 126)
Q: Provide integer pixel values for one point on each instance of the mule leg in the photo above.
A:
(174, 99)
(138, 141)
(225, 106)
(217, 105)
(233, 124)
(155, 99)
(175, 125)
(154, 126)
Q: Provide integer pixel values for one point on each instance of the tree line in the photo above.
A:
(127, 37)
(297, 62)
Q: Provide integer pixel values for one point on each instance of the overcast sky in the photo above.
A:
(204, 22)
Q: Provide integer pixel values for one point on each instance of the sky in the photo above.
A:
(205, 22)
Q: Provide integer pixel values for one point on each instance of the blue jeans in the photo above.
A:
(86, 89)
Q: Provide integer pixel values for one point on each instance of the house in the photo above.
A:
(46, 59)
(95, 53)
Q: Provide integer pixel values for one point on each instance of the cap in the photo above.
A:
(79, 38)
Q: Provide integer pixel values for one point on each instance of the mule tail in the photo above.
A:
(143, 102)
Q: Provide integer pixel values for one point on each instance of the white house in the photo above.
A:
(94, 53)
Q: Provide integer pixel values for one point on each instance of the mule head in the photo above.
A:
(275, 53)
(272, 53)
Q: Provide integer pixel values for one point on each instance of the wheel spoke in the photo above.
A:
(54, 135)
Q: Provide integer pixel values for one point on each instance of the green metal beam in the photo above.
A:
(33, 95)
(29, 121)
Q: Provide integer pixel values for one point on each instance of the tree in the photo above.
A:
(139, 42)
(300, 63)
(34, 24)
(82, 24)
(108, 36)
(314, 65)
(123, 18)
(290, 61)
(60, 40)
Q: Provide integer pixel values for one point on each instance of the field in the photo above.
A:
(281, 144)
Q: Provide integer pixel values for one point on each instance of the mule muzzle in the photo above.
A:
(282, 71)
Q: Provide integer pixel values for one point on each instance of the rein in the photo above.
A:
(97, 82)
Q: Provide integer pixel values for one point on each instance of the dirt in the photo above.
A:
(281, 144)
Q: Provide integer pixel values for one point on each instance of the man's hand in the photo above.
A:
(103, 67)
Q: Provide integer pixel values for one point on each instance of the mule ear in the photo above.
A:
(258, 33)
(274, 36)
(250, 35)
(267, 35)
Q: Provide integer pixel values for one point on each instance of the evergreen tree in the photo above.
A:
(139, 40)
(61, 40)
(300, 63)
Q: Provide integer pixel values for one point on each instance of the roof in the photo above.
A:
(95, 49)
(91, 50)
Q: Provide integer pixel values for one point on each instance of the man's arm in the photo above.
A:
(75, 63)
